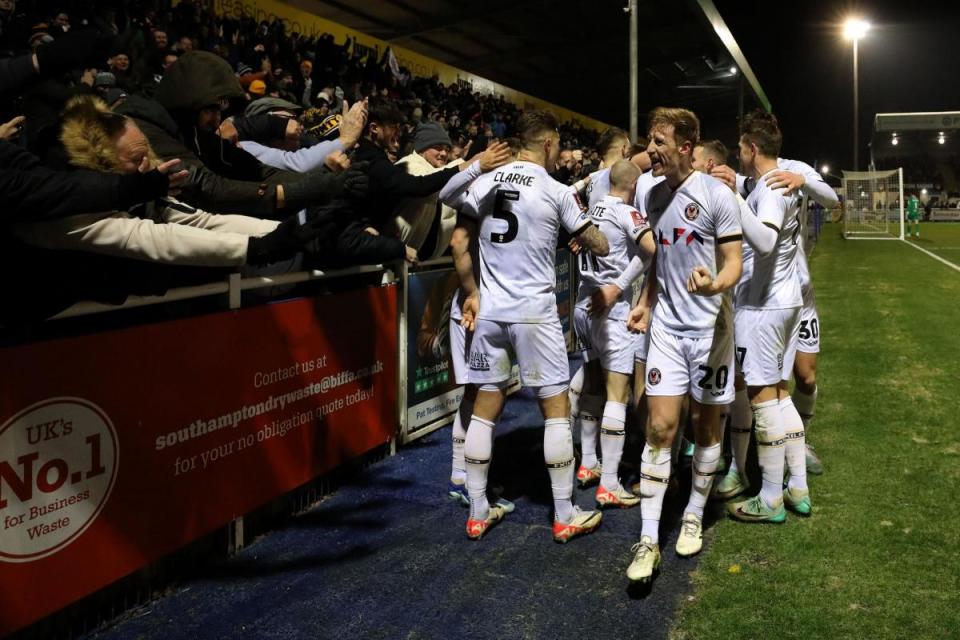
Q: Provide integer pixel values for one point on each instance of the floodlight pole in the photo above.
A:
(634, 72)
(856, 110)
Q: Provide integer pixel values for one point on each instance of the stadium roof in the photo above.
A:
(573, 53)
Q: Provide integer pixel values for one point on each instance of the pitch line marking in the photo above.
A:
(933, 255)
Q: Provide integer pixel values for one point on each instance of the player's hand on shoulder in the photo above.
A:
(700, 282)
(495, 155)
(639, 319)
(470, 309)
(726, 175)
(602, 298)
(787, 180)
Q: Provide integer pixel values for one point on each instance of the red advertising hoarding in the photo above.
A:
(118, 448)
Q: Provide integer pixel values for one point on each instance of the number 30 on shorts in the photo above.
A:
(720, 378)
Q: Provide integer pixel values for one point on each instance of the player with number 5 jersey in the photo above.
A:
(519, 210)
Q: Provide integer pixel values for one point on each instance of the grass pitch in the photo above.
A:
(880, 557)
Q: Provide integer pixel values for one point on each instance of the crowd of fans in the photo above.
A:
(143, 145)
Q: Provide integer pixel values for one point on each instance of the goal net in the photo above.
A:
(873, 205)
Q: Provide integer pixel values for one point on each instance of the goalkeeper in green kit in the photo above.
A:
(913, 215)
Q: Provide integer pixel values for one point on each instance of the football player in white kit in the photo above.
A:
(767, 302)
(795, 175)
(495, 155)
(628, 235)
(696, 221)
(519, 209)
(792, 176)
(587, 386)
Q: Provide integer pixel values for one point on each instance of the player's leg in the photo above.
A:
(764, 334)
(668, 381)
(711, 368)
(797, 495)
(489, 369)
(461, 419)
(805, 375)
(616, 347)
(542, 355)
(612, 437)
(591, 410)
(805, 400)
(735, 480)
(587, 414)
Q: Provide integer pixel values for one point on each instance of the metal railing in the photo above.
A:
(233, 286)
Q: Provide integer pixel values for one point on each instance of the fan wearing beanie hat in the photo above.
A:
(418, 221)
(432, 142)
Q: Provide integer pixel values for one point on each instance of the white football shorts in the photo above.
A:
(615, 345)
(702, 367)
(581, 330)
(763, 339)
(540, 348)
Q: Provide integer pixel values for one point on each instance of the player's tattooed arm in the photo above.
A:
(593, 239)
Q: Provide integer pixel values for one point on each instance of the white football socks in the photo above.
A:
(705, 462)
(770, 450)
(796, 445)
(591, 408)
(574, 391)
(612, 436)
(741, 421)
(458, 468)
(654, 479)
(477, 451)
(558, 455)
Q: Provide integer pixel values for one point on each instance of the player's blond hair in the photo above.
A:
(686, 125)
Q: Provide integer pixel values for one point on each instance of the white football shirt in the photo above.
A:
(690, 224)
(771, 282)
(520, 208)
(598, 187)
(623, 226)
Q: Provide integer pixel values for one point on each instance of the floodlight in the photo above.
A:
(855, 28)
(824, 168)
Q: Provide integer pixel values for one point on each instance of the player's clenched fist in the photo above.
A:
(639, 319)
(700, 282)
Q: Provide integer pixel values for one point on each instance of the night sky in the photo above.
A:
(909, 61)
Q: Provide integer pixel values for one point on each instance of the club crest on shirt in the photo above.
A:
(692, 211)
(653, 377)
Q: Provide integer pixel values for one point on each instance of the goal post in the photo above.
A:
(873, 205)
